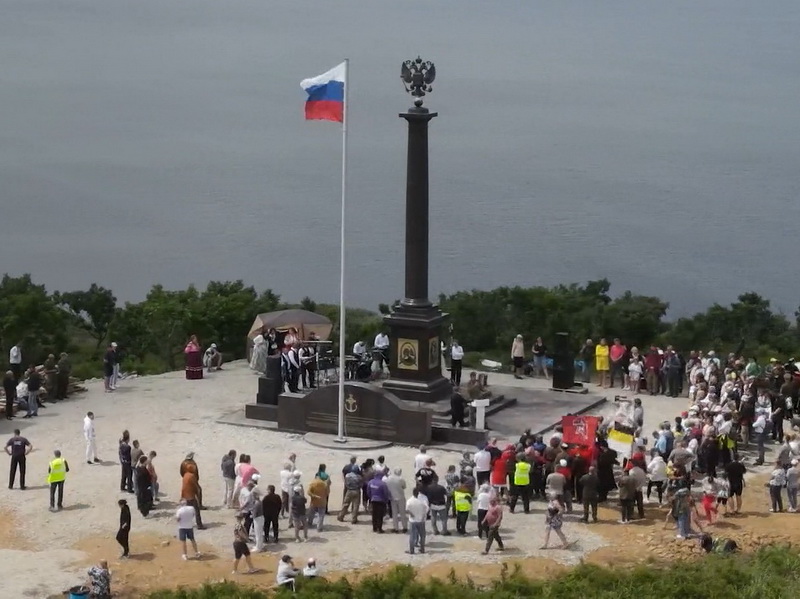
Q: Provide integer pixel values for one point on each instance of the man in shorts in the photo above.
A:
(240, 548)
(735, 471)
(186, 517)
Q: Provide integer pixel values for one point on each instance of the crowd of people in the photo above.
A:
(692, 468)
(298, 357)
(28, 388)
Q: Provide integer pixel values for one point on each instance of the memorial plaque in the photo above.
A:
(434, 353)
(408, 354)
(369, 412)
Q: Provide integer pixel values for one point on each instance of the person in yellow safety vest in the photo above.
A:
(522, 482)
(56, 475)
(463, 502)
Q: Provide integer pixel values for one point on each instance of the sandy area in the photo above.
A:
(173, 416)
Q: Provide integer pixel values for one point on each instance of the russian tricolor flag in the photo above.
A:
(326, 95)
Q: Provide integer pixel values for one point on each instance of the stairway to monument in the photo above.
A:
(441, 411)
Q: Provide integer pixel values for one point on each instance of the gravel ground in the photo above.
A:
(171, 415)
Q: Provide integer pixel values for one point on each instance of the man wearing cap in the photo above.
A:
(212, 358)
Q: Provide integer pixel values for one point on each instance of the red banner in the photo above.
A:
(579, 430)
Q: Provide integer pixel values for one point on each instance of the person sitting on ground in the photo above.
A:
(100, 581)
(475, 388)
(718, 545)
(212, 358)
(311, 570)
(286, 572)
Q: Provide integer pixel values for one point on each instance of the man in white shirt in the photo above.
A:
(15, 361)
(417, 511)
(359, 349)
(456, 356)
(382, 344)
(186, 517)
(421, 459)
(89, 435)
(483, 466)
(286, 572)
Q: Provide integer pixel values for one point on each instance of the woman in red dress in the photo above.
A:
(194, 359)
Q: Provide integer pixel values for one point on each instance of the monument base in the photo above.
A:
(416, 363)
(420, 391)
(370, 412)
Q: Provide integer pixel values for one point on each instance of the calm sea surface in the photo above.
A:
(163, 141)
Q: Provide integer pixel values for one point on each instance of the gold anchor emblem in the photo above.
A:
(350, 404)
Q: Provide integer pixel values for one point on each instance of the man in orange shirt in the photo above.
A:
(189, 465)
(318, 492)
(190, 491)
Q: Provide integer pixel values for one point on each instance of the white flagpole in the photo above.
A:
(341, 438)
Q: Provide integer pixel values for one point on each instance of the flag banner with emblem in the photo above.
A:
(579, 430)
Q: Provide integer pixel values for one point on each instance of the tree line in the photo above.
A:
(152, 332)
(487, 321)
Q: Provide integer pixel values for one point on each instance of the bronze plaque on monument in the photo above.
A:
(408, 354)
(433, 353)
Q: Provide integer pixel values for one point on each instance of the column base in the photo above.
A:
(438, 389)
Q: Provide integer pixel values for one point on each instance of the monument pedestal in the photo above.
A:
(415, 363)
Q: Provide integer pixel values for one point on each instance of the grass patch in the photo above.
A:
(771, 573)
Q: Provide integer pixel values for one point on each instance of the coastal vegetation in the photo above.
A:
(152, 332)
(770, 573)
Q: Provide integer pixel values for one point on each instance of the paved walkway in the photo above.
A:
(657, 408)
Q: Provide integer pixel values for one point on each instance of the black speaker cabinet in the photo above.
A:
(561, 344)
(563, 363)
(563, 372)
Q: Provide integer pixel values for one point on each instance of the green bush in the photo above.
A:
(769, 574)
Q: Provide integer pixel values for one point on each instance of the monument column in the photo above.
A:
(415, 324)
